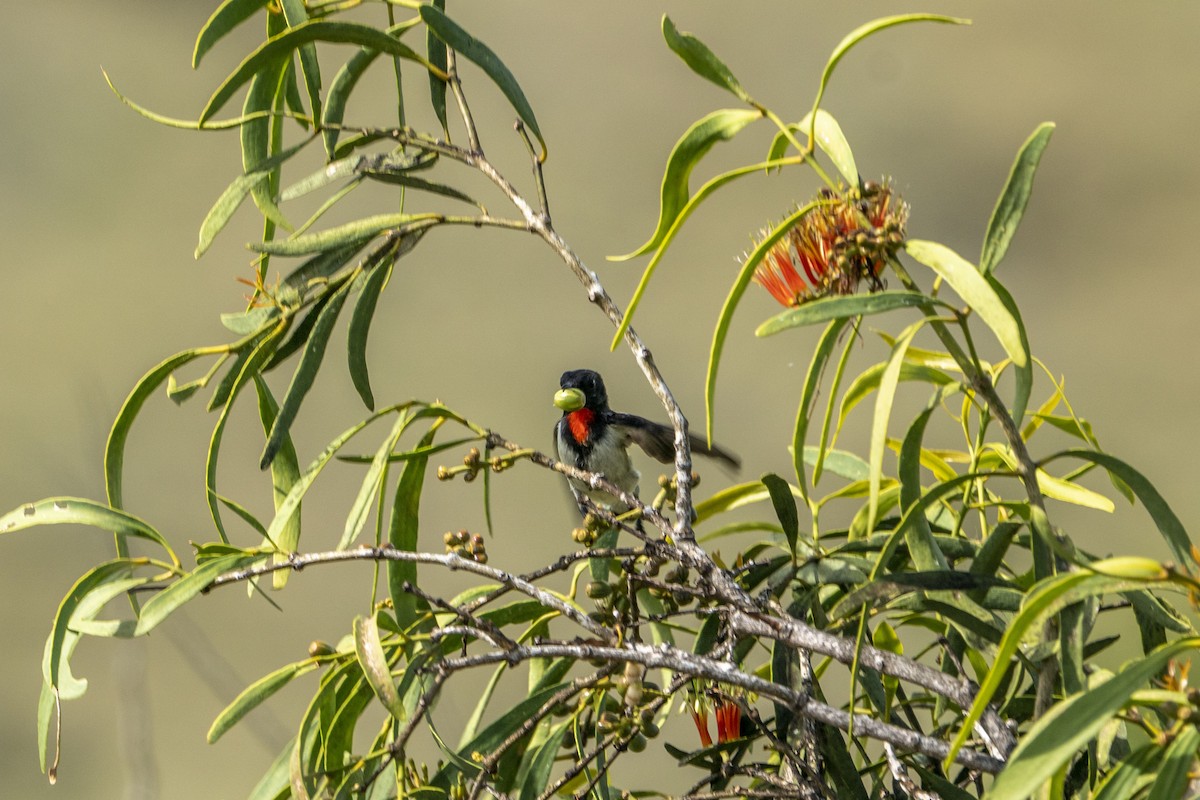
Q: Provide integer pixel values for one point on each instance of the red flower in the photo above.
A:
(729, 721)
(700, 717)
(844, 240)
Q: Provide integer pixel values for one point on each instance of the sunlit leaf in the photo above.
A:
(170, 599)
(731, 302)
(357, 232)
(841, 307)
(862, 32)
(369, 650)
(812, 382)
(975, 290)
(695, 143)
(1010, 207)
(255, 694)
(1068, 725)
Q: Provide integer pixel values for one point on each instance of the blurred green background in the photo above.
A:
(99, 211)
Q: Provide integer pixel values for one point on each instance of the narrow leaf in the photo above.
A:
(357, 232)
(1010, 206)
(369, 650)
(371, 483)
(827, 308)
(812, 384)
(862, 32)
(255, 694)
(163, 604)
(883, 411)
(228, 16)
(305, 374)
(360, 328)
(695, 143)
(829, 138)
(731, 302)
(402, 534)
(785, 507)
(283, 537)
(975, 290)
(1070, 724)
(222, 210)
(702, 60)
(467, 45)
(435, 49)
(279, 47)
(80, 511)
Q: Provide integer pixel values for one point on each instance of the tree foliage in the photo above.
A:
(931, 580)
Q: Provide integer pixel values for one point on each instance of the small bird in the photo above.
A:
(593, 437)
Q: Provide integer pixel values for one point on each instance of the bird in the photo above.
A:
(593, 437)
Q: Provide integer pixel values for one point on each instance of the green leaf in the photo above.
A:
(163, 604)
(693, 202)
(242, 370)
(369, 650)
(283, 538)
(921, 547)
(493, 735)
(279, 47)
(812, 384)
(372, 482)
(435, 48)
(1128, 777)
(695, 143)
(360, 325)
(289, 508)
(701, 60)
(542, 762)
(868, 381)
(730, 498)
(1070, 724)
(221, 212)
(1023, 374)
(296, 14)
(884, 400)
(862, 32)
(1010, 206)
(305, 374)
(842, 463)
(785, 507)
(255, 694)
(467, 45)
(731, 302)
(228, 16)
(841, 307)
(1168, 524)
(402, 533)
(1047, 596)
(55, 661)
(357, 232)
(387, 163)
(114, 449)
(829, 138)
(80, 511)
(975, 290)
(261, 138)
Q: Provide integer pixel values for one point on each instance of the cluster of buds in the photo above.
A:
(668, 488)
(673, 593)
(466, 545)
(474, 462)
(631, 719)
(586, 533)
(844, 240)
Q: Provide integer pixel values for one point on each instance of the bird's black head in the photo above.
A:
(585, 382)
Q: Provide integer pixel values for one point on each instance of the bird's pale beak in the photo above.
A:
(569, 399)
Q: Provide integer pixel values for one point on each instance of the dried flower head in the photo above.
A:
(844, 240)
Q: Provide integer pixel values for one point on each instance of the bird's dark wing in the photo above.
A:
(659, 440)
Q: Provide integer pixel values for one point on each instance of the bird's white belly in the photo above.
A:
(612, 461)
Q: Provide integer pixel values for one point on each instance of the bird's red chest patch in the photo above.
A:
(580, 423)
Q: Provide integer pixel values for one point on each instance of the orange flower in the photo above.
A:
(841, 242)
(729, 721)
